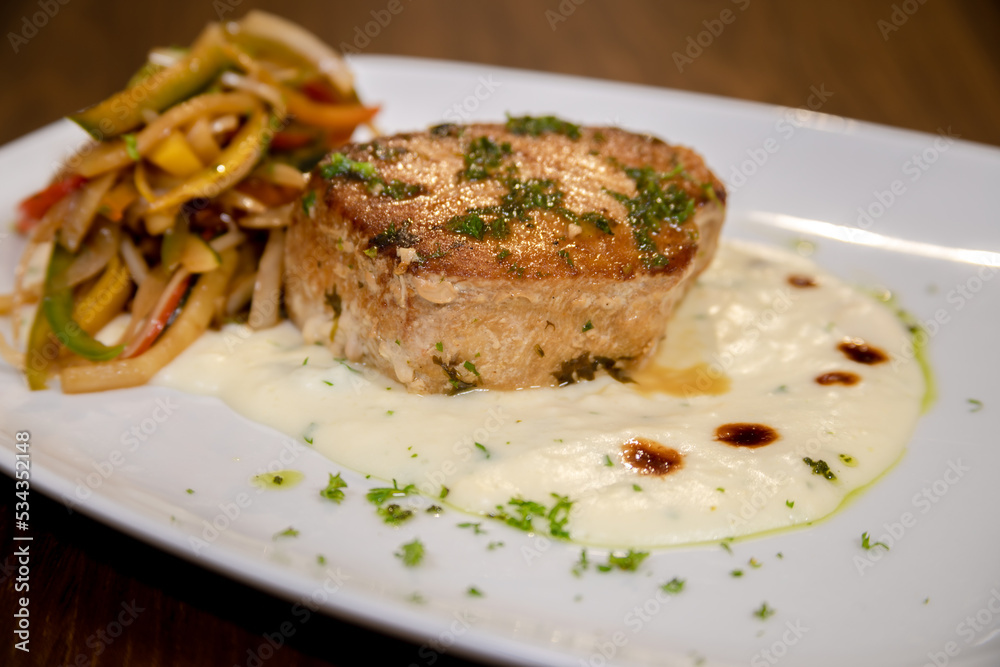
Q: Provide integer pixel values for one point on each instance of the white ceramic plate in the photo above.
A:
(934, 598)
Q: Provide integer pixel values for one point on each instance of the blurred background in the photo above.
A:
(918, 64)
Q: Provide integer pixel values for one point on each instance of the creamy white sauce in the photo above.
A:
(742, 321)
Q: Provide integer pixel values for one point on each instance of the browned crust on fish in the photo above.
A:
(549, 296)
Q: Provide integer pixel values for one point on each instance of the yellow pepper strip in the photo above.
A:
(99, 158)
(328, 116)
(105, 299)
(236, 161)
(123, 111)
(174, 156)
(141, 182)
(191, 323)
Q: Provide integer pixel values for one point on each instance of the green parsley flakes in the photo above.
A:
(868, 545)
(674, 586)
(333, 489)
(524, 512)
(820, 468)
(393, 514)
(483, 157)
(379, 495)
(626, 562)
(536, 126)
(411, 553)
(764, 612)
(131, 147)
(308, 202)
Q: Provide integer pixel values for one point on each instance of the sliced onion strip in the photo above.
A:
(100, 247)
(267, 288)
(271, 218)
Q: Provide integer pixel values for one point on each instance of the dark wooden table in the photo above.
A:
(919, 64)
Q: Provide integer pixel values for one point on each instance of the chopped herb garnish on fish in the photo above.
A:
(536, 126)
(308, 201)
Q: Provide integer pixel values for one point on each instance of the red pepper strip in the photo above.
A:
(327, 116)
(319, 90)
(158, 321)
(34, 208)
(287, 140)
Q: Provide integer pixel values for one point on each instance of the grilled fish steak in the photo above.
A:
(502, 256)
